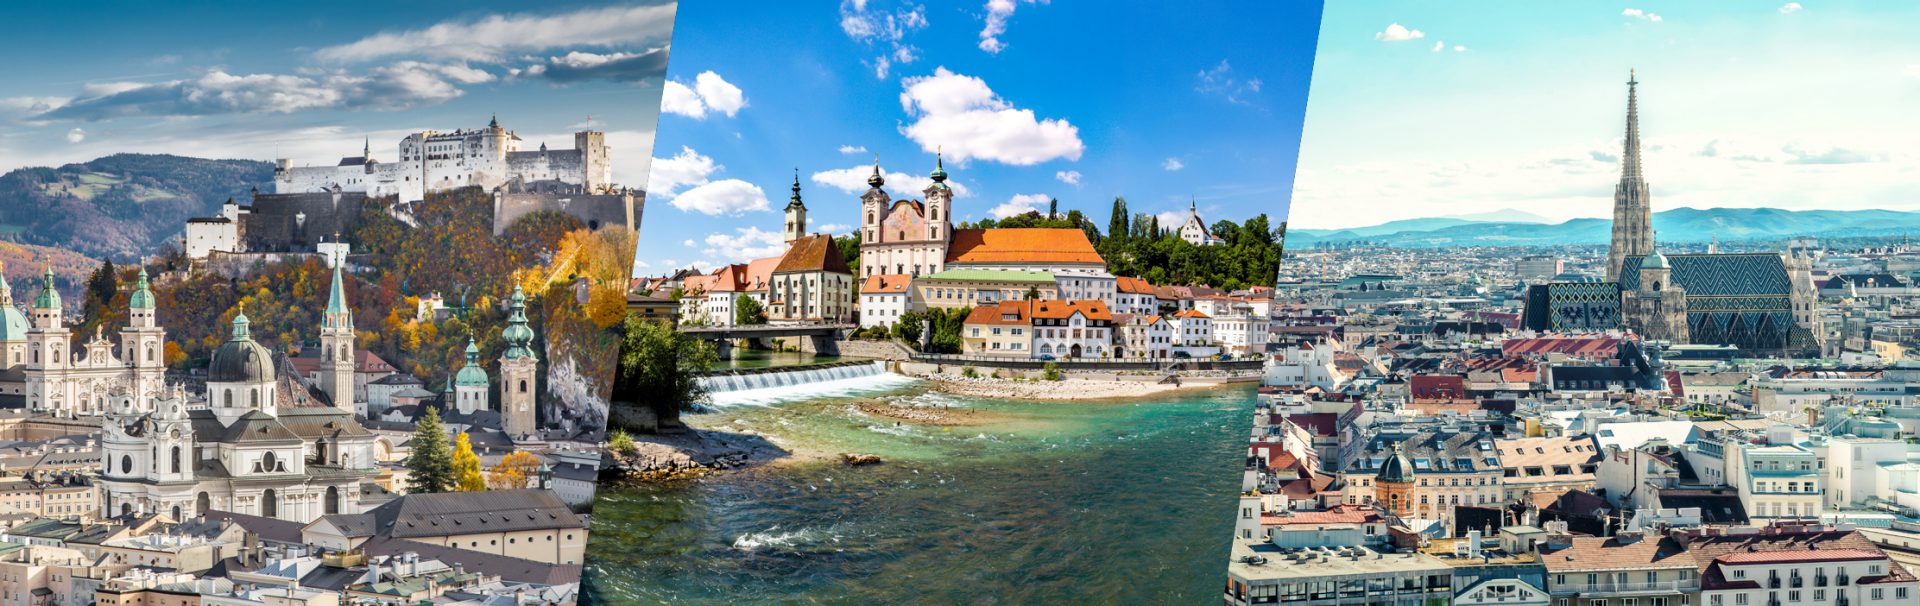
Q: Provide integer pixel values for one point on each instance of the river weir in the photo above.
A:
(772, 385)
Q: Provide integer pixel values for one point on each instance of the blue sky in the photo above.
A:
(310, 81)
(1424, 109)
(1077, 101)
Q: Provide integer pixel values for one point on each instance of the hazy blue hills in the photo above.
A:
(1677, 225)
(120, 206)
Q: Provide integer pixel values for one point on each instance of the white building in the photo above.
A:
(217, 233)
(1193, 334)
(1825, 575)
(1072, 329)
(1134, 296)
(883, 298)
(431, 161)
(1138, 337)
(1195, 230)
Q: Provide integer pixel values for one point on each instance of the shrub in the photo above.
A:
(622, 443)
(1051, 372)
(968, 372)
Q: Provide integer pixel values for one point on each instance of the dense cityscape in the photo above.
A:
(1720, 424)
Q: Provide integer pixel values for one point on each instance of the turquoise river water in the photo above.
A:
(1117, 502)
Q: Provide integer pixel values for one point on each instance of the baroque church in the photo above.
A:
(1759, 302)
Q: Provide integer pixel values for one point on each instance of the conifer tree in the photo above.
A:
(466, 466)
(430, 467)
(1119, 222)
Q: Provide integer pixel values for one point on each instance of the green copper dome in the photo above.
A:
(939, 173)
(49, 298)
(13, 323)
(1654, 260)
(241, 359)
(794, 202)
(876, 180)
(471, 375)
(1396, 469)
(518, 336)
(142, 297)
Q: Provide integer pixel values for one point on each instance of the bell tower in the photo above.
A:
(336, 344)
(143, 343)
(796, 213)
(939, 207)
(1632, 205)
(519, 370)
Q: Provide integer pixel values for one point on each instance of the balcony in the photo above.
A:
(1841, 581)
(1795, 582)
(1773, 583)
(1820, 581)
(1606, 588)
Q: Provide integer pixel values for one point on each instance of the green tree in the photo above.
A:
(1053, 207)
(466, 466)
(907, 328)
(430, 467)
(1117, 223)
(748, 310)
(661, 368)
(849, 247)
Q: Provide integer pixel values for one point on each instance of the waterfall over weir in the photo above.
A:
(774, 385)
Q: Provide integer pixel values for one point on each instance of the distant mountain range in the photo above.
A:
(121, 206)
(1677, 225)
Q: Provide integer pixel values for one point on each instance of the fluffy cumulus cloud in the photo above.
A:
(1790, 7)
(1398, 33)
(834, 228)
(1640, 14)
(393, 87)
(76, 136)
(580, 66)
(495, 37)
(723, 197)
(961, 115)
(1173, 164)
(854, 180)
(884, 30)
(1069, 177)
(745, 244)
(998, 13)
(710, 92)
(1221, 80)
(853, 149)
(1020, 204)
(671, 175)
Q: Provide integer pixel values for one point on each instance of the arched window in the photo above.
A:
(149, 353)
(176, 459)
(126, 463)
(268, 461)
(229, 397)
(523, 386)
(253, 397)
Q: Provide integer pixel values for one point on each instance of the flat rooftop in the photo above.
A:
(1326, 564)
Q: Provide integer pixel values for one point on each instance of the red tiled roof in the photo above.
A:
(1345, 514)
(887, 283)
(1133, 285)
(1006, 312)
(1052, 309)
(1437, 386)
(815, 253)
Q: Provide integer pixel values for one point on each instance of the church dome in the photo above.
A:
(1397, 468)
(241, 359)
(471, 375)
(13, 323)
(1654, 260)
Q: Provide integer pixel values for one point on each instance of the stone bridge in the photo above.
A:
(818, 338)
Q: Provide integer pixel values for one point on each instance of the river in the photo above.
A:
(1042, 503)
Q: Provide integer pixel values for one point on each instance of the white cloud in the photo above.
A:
(719, 94)
(961, 115)
(1459, 49)
(834, 228)
(710, 91)
(1439, 45)
(745, 244)
(854, 180)
(579, 66)
(723, 197)
(853, 149)
(1171, 219)
(1173, 164)
(1069, 177)
(76, 136)
(1790, 7)
(1640, 14)
(1020, 204)
(687, 242)
(885, 29)
(394, 87)
(1398, 33)
(494, 37)
(1221, 80)
(676, 98)
(687, 168)
(998, 12)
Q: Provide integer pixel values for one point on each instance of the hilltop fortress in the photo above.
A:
(308, 204)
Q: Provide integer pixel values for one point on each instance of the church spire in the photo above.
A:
(49, 297)
(142, 297)
(1630, 158)
(337, 299)
(794, 201)
(876, 180)
(939, 174)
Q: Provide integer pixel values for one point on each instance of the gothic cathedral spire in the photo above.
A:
(1632, 205)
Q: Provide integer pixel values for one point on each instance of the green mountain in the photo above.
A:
(1677, 225)
(121, 206)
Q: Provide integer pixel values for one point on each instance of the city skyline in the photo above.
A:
(316, 83)
(1522, 115)
(1026, 104)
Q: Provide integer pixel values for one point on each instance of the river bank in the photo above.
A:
(1075, 387)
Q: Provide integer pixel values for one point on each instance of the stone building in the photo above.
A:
(431, 161)
(1656, 308)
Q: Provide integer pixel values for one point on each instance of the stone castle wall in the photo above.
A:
(596, 211)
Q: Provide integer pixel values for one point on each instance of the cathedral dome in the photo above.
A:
(241, 359)
(1654, 260)
(1397, 468)
(471, 375)
(13, 323)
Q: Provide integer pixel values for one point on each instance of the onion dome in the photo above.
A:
(142, 297)
(876, 180)
(1396, 469)
(939, 173)
(241, 359)
(471, 375)
(518, 336)
(49, 298)
(794, 201)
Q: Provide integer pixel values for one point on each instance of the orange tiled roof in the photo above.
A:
(815, 253)
(1006, 312)
(1092, 309)
(1190, 313)
(886, 283)
(1137, 286)
(1021, 245)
